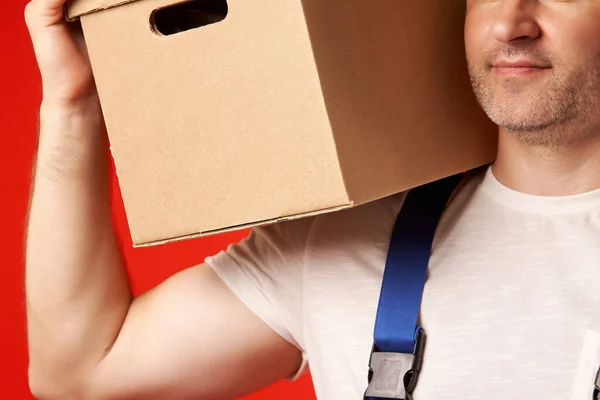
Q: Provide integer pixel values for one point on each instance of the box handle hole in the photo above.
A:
(189, 15)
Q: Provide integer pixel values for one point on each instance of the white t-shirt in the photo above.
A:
(512, 287)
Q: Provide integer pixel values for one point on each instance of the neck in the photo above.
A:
(544, 171)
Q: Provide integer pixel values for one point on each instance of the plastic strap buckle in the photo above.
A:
(395, 375)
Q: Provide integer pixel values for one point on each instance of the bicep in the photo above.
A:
(192, 338)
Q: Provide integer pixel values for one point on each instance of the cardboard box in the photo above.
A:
(283, 109)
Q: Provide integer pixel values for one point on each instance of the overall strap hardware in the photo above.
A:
(395, 375)
(399, 343)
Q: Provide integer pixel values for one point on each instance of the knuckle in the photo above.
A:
(29, 12)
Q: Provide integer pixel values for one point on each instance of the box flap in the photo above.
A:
(76, 8)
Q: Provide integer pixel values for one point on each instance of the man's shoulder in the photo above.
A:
(355, 229)
(382, 213)
(369, 224)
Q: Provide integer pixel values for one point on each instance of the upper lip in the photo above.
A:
(520, 63)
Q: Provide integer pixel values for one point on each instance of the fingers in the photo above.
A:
(55, 3)
(40, 14)
(50, 5)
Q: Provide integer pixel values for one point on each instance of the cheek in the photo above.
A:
(586, 43)
(475, 38)
(576, 44)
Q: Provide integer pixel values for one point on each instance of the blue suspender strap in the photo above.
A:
(398, 347)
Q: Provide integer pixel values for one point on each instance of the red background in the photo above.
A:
(19, 101)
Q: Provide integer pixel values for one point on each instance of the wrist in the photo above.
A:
(71, 140)
(73, 119)
(86, 108)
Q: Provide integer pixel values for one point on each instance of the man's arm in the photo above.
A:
(88, 338)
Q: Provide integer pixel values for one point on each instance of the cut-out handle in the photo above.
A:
(189, 15)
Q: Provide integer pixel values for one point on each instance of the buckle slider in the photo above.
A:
(395, 375)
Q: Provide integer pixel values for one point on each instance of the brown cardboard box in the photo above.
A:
(283, 109)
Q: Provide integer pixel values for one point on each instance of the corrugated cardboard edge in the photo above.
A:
(360, 199)
(244, 226)
(73, 9)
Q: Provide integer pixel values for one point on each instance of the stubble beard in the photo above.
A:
(558, 114)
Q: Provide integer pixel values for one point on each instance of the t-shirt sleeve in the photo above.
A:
(266, 272)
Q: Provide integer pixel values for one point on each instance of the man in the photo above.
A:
(513, 278)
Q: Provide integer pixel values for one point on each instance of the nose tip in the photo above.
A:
(516, 22)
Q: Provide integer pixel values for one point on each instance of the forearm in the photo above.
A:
(76, 285)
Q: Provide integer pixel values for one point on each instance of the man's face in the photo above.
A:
(535, 64)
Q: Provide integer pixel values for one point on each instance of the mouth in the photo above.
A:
(519, 68)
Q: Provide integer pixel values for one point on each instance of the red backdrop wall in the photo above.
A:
(19, 101)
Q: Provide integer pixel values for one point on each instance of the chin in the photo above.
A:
(515, 117)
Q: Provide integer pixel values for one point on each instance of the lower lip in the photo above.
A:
(519, 71)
